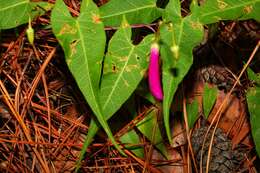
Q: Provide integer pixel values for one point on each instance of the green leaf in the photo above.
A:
(143, 91)
(124, 67)
(124, 64)
(192, 112)
(136, 12)
(194, 7)
(178, 40)
(93, 129)
(132, 138)
(253, 101)
(253, 76)
(209, 98)
(150, 128)
(215, 10)
(84, 59)
(16, 12)
(173, 11)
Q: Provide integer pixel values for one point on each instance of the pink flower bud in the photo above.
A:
(154, 76)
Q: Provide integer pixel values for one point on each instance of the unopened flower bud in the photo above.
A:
(154, 75)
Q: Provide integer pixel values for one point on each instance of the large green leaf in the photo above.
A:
(178, 40)
(214, 10)
(136, 12)
(17, 12)
(124, 67)
(253, 101)
(84, 59)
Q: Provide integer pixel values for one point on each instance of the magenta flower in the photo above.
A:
(154, 76)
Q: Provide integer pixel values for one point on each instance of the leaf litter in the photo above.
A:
(57, 120)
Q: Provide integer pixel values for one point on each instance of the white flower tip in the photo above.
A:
(155, 46)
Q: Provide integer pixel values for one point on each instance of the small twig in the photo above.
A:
(69, 132)
(59, 115)
(188, 136)
(36, 81)
(141, 162)
(17, 91)
(150, 147)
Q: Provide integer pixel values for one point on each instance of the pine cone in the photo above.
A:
(223, 159)
(218, 76)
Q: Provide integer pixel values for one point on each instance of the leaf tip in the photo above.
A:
(124, 23)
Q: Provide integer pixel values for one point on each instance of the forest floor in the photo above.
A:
(40, 101)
